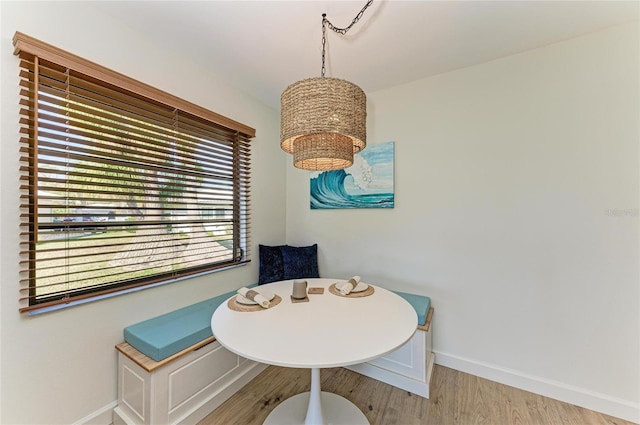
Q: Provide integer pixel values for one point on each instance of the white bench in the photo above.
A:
(409, 367)
(172, 370)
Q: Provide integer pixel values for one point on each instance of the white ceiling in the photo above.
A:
(263, 46)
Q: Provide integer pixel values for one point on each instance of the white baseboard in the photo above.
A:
(102, 416)
(592, 400)
(602, 403)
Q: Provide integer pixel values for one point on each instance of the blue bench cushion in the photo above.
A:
(166, 335)
(420, 302)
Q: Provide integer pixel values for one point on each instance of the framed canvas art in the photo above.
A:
(368, 183)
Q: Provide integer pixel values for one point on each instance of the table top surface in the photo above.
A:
(327, 331)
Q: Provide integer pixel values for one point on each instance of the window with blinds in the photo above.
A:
(122, 185)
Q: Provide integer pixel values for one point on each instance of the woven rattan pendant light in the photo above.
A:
(323, 120)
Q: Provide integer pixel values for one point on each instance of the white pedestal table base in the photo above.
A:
(316, 408)
(337, 410)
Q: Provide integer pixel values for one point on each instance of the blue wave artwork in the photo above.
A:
(368, 183)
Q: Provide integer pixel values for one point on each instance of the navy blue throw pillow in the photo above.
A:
(300, 262)
(271, 266)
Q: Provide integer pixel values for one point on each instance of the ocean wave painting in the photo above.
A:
(368, 183)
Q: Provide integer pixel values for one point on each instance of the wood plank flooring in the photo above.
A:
(457, 398)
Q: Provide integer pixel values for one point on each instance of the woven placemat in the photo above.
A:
(364, 293)
(236, 306)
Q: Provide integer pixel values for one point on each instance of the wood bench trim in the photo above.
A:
(148, 364)
(427, 323)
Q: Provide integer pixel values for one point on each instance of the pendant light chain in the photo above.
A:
(342, 31)
(324, 40)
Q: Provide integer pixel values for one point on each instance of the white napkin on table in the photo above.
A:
(345, 288)
(254, 296)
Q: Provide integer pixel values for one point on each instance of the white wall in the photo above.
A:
(61, 367)
(516, 210)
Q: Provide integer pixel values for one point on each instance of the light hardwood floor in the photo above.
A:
(456, 399)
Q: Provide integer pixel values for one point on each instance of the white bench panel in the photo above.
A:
(409, 367)
(184, 390)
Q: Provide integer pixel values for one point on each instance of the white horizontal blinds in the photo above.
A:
(120, 190)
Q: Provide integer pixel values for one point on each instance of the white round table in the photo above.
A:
(328, 331)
